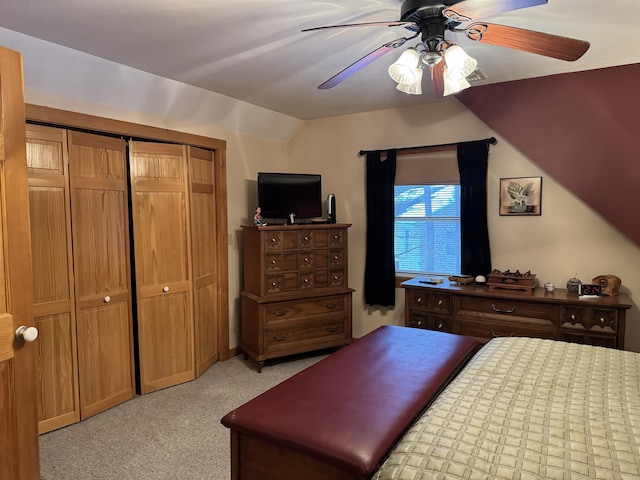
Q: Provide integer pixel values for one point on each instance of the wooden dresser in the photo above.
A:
(296, 296)
(481, 312)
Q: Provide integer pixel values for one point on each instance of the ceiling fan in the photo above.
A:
(448, 64)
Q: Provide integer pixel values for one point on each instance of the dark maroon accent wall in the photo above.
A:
(582, 128)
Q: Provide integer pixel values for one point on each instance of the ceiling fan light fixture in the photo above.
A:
(431, 58)
(414, 88)
(459, 64)
(404, 69)
(452, 85)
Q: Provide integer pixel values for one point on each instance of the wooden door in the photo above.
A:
(204, 248)
(100, 226)
(53, 293)
(161, 237)
(18, 413)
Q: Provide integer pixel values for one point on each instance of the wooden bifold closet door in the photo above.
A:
(100, 227)
(161, 232)
(81, 276)
(174, 231)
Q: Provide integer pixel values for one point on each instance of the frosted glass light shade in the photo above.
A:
(451, 85)
(414, 88)
(459, 64)
(404, 69)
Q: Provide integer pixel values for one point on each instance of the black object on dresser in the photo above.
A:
(484, 313)
(296, 296)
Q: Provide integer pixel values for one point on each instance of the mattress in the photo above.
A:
(528, 408)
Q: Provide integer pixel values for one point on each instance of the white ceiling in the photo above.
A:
(254, 50)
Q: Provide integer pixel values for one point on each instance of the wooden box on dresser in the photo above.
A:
(483, 312)
(296, 296)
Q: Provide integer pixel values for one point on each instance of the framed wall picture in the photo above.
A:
(521, 196)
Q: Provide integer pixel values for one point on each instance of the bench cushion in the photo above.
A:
(350, 408)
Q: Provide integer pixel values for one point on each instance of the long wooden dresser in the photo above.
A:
(296, 296)
(478, 311)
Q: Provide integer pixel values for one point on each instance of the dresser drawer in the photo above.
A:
(430, 321)
(336, 237)
(599, 320)
(280, 262)
(280, 240)
(493, 329)
(298, 335)
(495, 308)
(280, 313)
(429, 301)
(312, 259)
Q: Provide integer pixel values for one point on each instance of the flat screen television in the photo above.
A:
(280, 194)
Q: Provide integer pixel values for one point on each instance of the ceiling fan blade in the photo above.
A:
(473, 9)
(437, 78)
(367, 24)
(554, 46)
(363, 62)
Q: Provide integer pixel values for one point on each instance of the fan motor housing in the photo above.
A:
(417, 10)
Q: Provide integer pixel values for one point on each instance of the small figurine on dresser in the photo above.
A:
(257, 218)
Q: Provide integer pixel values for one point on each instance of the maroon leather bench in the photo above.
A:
(339, 418)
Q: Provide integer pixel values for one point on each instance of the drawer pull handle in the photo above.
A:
(419, 322)
(495, 335)
(281, 338)
(573, 317)
(499, 310)
(440, 325)
(419, 300)
(306, 239)
(440, 302)
(331, 306)
(273, 240)
(280, 314)
(603, 320)
(273, 262)
(333, 329)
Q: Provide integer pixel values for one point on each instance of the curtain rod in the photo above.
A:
(490, 140)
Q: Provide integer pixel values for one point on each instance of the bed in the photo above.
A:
(519, 408)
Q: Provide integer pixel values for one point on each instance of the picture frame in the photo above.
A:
(521, 196)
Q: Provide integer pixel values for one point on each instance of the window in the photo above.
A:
(427, 212)
(427, 229)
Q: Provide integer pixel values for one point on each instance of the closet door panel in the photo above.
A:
(163, 264)
(100, 215)
(203, 235)
(163, 343)
(52, 267)
(105, 376)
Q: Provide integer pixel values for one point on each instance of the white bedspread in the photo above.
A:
(529, 409)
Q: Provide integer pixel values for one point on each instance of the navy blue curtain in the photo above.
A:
(474, 234)
(380, 270)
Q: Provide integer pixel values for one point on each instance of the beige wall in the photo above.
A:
(568, 238)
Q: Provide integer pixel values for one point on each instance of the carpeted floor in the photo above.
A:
(170, 434)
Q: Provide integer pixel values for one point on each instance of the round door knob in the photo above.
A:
(26, 334)
(107, 299)
(165, 289)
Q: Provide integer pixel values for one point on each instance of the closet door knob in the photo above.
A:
(165, 289)
(26, 334)
(107, 299)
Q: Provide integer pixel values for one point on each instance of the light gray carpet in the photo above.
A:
(173, 433)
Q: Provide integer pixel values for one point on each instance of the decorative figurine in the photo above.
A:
(257, 218)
